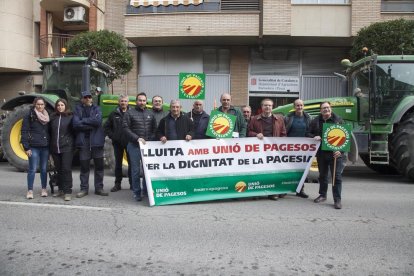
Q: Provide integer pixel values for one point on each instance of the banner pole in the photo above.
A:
(334, 172)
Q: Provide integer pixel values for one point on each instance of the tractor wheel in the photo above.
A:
(1, 148)
(10, 138)
(379, 168)
(110, 158)
(403, 146)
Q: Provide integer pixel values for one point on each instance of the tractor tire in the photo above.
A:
(403, 146)
(379, 168)
(10, 138)
(109, 158)
(1, 148)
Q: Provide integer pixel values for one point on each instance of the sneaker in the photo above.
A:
(60, 193)
(320, 199)
(138, 198)
(68, 197)
(29, 194)
(273, 197)
(44, 193)
(82, 194)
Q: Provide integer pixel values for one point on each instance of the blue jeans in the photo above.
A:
(41, 155)
(326, 163)
(135, 164)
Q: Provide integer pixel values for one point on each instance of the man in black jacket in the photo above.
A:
(114, 130)
(176, 125)
(200, 119)
(139, 126)
(326, 158)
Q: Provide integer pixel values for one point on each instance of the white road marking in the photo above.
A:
(56, 206)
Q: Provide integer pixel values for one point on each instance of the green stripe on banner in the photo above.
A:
(173, 191)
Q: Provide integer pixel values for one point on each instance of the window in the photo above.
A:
(397, 6)
(331, 2)
(216, 61)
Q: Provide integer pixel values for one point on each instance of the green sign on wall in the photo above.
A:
(192, 86)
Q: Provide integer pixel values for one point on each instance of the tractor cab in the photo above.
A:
(67, 77)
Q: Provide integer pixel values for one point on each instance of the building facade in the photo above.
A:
(253, 49)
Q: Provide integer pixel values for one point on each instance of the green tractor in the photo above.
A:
(380, 108)
(64, 77)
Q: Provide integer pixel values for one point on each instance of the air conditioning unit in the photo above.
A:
(74, 14)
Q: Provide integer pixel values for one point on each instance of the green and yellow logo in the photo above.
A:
(240, 187)
(220, 125)
(191, 86)
(336, 137)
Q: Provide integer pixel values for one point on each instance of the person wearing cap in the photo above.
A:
(90, 139)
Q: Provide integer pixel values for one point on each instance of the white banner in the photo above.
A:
(202, 164)
(270, 83)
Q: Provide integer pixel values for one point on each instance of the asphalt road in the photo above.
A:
(371, 235)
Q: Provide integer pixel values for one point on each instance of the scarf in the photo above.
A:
(43, 116)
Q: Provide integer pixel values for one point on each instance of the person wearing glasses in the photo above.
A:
(326, 158)
(267, 124)
(200, 119)
(90, 139)
(35, 139)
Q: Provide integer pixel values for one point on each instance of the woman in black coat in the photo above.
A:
(35, 141)
(61, 147)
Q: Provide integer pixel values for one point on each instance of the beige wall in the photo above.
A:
(276, 17)
(16, 32)
(201, 24)
(321, 20)
(239, 70)
(114, 21)
(364, 13)
(11, 84)
(114, 15)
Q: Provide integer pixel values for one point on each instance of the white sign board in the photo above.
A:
(267, 83)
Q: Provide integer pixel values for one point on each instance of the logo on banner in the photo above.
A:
(336, 137)
(220, 125)
(240, 187)
(192, 86)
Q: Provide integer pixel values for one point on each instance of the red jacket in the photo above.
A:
(255, 126)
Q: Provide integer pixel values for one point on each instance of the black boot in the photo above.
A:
(116, 188)
(302, 194)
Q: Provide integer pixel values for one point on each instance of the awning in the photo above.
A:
(137, 3)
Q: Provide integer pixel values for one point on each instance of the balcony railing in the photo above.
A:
(52, 44)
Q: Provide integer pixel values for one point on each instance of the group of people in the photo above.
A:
(128, 126)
